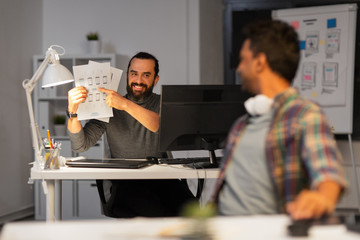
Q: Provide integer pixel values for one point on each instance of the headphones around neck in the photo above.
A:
(258, 105)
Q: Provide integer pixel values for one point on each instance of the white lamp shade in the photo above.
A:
(56, 74)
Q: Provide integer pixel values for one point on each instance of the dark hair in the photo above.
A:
(279, 42)
(145, 55)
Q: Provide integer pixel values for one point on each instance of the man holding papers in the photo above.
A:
(131, 133)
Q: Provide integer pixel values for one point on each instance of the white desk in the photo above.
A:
(54, 178)
(224, 228)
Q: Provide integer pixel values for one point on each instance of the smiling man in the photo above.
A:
(138, 69)
(130, 133)
(281, 156)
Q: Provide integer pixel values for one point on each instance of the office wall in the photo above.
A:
(211, 42)
(20, 39)
(170, 29)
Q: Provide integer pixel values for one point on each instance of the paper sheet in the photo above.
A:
(115, 81)
(92, 76)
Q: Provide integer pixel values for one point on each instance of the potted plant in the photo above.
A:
(59, 125)
(198, 220)
(92, 36)
(93, 42)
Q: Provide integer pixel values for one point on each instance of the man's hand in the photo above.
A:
(76, 96)
(315, 204)
(114, 99)
(309, 204)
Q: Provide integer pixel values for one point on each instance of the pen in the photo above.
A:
(51, 145)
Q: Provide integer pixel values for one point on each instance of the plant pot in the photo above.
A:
(60, 129)
(94, 46)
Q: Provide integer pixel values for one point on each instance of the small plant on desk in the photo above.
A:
(199, 215)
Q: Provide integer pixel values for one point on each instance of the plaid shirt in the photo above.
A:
(300, 148)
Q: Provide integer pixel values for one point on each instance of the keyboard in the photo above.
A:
(197, 162)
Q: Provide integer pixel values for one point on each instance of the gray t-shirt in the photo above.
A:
(248, 187)
(127, 138)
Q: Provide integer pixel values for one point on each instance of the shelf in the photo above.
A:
(60, 98)
(61, 137)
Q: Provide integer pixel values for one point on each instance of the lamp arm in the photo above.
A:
(29, 85)
(35, 140)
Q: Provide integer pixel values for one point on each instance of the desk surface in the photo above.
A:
(151, 172)
(253, 227)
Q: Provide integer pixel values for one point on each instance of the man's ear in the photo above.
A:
(156, 80)
(261, 62)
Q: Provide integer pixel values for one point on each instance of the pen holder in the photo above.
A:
(51, 158)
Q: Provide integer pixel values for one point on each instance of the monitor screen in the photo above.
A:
(198, 117)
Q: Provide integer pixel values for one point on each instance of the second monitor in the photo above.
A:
(198, 117)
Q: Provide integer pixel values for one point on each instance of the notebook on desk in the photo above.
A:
(111, 163)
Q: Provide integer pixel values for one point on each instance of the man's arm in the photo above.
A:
(315, 203)
(76, 96)
(322, 159)
(149, 119)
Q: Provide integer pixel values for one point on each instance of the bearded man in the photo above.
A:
(130, 133)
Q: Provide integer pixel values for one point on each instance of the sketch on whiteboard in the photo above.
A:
(332, 42)
(311, 43)
(308, 79)
(330, 74)
(327, 36)
(321, 68)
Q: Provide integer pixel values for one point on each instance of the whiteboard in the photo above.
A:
(326, 69)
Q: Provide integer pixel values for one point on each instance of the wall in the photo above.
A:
(20, 39)
(211, 42)
(170, 29)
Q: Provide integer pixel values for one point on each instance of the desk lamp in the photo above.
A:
(53, 74)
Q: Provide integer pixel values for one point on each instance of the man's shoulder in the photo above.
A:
(156, 96)
(152, 103)
(305, 105)
(296, 108)
(295, 102)
(304, 111)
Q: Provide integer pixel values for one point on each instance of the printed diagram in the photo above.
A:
(92, 76)
(89, 83)
(318, 76)
(308, 79)
(311, 43)
(332, 42)
(330, 74)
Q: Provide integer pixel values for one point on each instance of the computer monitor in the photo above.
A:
(198, 117)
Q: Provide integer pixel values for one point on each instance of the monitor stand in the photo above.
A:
(213, 163)
(210, 145)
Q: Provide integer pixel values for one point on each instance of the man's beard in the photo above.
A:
(139, 96)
